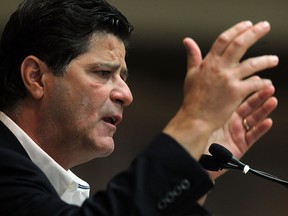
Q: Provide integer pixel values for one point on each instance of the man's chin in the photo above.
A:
(108, 152)
(106, 148)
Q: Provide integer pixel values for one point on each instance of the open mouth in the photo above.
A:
(112, 120)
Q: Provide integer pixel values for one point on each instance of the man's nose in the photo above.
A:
(122, 94)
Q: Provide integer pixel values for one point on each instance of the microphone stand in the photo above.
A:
(222, 158)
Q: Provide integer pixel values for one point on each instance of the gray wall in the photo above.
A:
(157, 65)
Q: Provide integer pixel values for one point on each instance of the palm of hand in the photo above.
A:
(232, 136)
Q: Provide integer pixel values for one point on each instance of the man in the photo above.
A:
(62, 94)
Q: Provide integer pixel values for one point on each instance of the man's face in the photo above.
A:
(86, 104)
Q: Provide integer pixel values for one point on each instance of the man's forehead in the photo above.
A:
(98, 37)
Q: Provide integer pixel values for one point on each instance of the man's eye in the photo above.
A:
(104, 73)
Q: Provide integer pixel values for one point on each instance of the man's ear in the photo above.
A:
(31, 72)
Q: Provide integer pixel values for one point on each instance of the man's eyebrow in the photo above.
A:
(113, 66)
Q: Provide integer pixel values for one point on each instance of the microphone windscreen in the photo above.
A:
(222, 154)
(209, 163)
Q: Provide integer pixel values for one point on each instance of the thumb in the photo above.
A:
(194, 56)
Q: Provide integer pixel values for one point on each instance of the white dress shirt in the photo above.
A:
(70, 188)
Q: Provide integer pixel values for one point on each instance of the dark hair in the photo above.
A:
(56, 31)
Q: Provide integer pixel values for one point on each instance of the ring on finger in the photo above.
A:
(246, 125)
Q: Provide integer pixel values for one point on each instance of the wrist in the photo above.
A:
(191, 133)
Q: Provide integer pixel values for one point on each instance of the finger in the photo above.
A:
(194, 56)
(261, 113)
(253, 135)
(253, 84)
(254, 101)
(238, 47)
(227, 36)
(252, 65)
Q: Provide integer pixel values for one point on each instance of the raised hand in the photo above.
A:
(246, 125)
(215, 86)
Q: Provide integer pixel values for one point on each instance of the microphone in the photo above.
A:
(222, 158)
(210, 163)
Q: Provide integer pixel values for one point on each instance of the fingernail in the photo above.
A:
(274, 59)
(268, 81)
(265, 24)
(248, 23)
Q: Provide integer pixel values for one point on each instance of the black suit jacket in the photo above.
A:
(163, 180)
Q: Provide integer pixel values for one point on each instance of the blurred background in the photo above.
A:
(157, 63)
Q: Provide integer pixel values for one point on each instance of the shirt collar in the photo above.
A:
(70, 188)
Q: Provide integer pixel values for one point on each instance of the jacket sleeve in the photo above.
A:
(163, 180)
